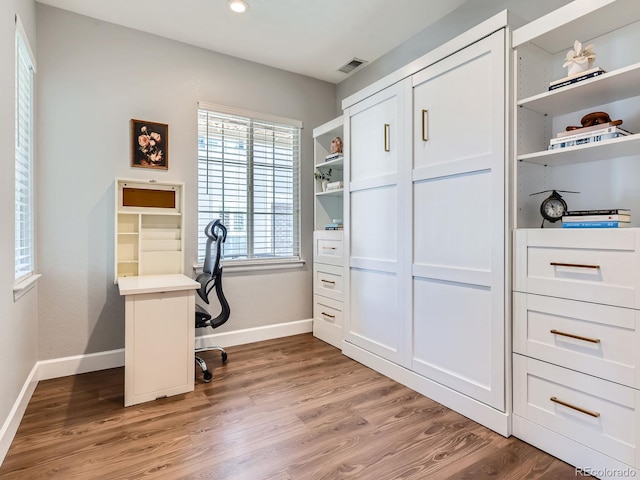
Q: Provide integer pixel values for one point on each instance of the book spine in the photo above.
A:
(582, 141)
(578, 136)
(602, 211)
(593, 128)
(576, 80)
(597, 218)
(595, 224)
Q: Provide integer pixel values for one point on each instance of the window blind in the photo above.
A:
(24, 209)
(248, 176)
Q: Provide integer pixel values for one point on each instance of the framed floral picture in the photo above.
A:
(149, 145)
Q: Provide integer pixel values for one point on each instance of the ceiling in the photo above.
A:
(310, 37)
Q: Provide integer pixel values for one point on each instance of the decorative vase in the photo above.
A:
(576, 68)
(324, 185)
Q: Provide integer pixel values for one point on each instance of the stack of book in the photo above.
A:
(570, 80)
(333, 156)
(336, 224)
(613, 218)
(580, 136)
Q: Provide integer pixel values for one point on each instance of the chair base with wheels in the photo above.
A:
(203, 319)
(210, 278)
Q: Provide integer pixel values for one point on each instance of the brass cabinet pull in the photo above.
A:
(571, 335)
(425, 125)
(579, 409)
(327, 281)
(387, 133)
(577, 265)
(328, 315)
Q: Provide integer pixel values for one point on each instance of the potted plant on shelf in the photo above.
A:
(324, 178)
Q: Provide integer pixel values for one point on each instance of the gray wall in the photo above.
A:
(18, 321)
(468, 15)
(93, 78)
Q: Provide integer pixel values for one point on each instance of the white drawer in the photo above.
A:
(327, 310)
(595, 339)
(599, 414)
(328, 247)
(328, 281)
(594, 265)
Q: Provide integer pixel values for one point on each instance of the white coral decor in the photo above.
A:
(581, 56)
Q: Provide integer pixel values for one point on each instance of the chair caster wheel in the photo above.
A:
(207, 376)
(224, 357)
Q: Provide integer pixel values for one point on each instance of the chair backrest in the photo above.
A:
(216, 233)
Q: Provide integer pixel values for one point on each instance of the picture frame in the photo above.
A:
(149, 144)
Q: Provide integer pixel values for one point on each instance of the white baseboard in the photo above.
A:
(92, 362)
(257, 334)
(10, 426)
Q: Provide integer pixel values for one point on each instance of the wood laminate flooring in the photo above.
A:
(292, 408)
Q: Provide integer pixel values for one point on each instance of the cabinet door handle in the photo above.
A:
(571, 335)
(327, 281)
(387, 134)
(327, 315)
(425, 125)
(577, 265)
(579, 409)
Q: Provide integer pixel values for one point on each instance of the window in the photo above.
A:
(248, 170)
(24, 212)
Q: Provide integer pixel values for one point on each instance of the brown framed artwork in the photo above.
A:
(149, 145)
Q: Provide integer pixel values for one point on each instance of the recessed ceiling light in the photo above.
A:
(238, 6)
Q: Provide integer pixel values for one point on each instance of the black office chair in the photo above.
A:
(211, 277)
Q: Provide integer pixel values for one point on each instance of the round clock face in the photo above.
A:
(553, 209)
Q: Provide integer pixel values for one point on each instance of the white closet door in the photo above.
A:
(377, 317)
(459, 221)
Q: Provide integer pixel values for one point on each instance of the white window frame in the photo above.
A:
(248, 264)
(24, 276)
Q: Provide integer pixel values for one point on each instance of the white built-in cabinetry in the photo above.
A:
(576, 299)
(426, 238)
(328, 251)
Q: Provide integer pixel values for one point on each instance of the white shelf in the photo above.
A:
(612, 148)
(609, 87)
(331, 193)
(339, 162)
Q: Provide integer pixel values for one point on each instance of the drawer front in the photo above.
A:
(599, 414)
(599, 340)
(327, 310)
(328, 247)
(591, 265)
(328, 281)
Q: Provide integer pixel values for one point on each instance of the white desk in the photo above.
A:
(159, 336)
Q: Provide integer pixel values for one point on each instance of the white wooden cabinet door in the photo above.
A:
(459, 217)
(377, 317)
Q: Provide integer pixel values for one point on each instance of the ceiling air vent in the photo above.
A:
(352, 65)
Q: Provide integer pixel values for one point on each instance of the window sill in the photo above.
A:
(20, 289)
(231, 266)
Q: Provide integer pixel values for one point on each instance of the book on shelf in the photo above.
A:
(595, 224)
(563, 82)
(558, 143)
(600, 126)
(335, 185)
(600, 211)
(597, 218)
(333, 156)
(592, 133)
(334, 226)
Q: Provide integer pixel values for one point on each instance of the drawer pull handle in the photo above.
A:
(577, 265)
(327, 281)
(327, 315)
(387, 133)
(579, 409)
(571, 335)
(329, 248)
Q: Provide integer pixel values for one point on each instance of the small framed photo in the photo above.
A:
(149, 145)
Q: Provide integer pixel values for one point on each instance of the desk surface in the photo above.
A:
(155, 283)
